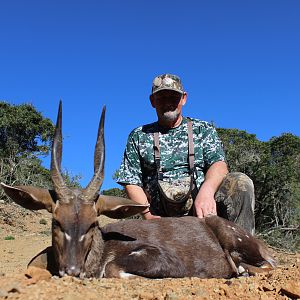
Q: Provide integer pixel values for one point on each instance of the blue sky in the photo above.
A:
(239, 62)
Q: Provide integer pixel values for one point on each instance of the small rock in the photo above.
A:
(3, 294)
(201, 293)
(291, 289)
(228, 282)
(268, 287)
(169, 296)
(36, 274)
(12, 288)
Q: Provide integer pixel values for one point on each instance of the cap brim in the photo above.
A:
(168, 89)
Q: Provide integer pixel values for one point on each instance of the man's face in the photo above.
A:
(168, 105)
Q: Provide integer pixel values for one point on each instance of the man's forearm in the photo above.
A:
(136, 193)
(214, 176)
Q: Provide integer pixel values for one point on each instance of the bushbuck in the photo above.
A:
(166, 247)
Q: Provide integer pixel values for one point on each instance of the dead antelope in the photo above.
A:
(166, 247)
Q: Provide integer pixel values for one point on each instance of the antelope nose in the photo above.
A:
(73, 271)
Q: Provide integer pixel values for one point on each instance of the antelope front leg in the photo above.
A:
(45, 260)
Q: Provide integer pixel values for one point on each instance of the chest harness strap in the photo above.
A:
(191, 158)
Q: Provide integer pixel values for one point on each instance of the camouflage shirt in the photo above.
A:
(138, 166)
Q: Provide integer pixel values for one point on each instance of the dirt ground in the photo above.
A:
(24, 233)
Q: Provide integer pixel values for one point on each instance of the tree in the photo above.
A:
(279, 201)
(115, 192)
(25, 135)
(23, 129)
(119, 192)
(244, 152)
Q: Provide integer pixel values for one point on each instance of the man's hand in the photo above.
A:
(148, 216)
(205, 203)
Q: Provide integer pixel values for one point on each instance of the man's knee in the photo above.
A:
(239, 180)
(235, 200)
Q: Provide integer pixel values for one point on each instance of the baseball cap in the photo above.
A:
(167, 82)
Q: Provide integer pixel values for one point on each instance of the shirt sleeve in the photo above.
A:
(130, 170)
(212, 146)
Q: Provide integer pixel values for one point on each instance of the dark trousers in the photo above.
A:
(235, 200)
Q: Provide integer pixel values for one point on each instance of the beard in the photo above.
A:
(170, 116)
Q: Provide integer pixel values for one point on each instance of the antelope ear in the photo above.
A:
(31, 197)
(117, 207)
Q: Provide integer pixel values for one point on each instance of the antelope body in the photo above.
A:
(159, 248)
